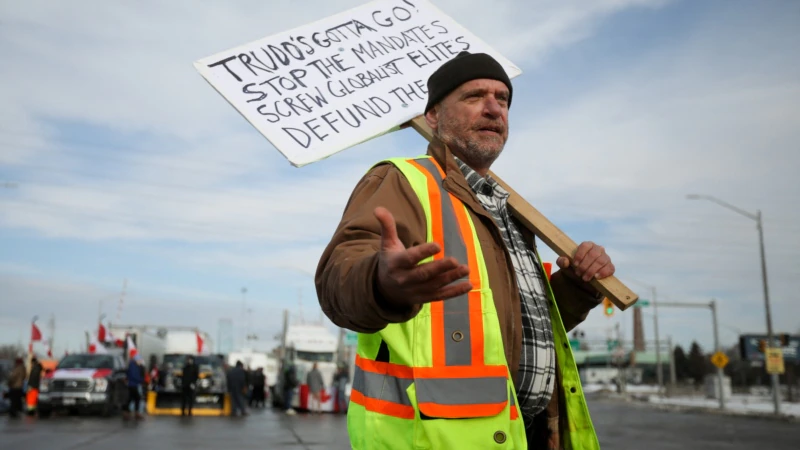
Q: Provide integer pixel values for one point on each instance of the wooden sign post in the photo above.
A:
(545, 230)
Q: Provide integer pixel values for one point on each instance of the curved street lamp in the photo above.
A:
(757, 218)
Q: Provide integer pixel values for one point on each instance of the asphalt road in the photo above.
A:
(621, 426)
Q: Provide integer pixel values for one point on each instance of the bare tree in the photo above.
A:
(11, 351)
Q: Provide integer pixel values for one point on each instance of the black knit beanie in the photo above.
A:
(464, 67)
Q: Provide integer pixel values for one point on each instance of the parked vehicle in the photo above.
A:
(85, 382)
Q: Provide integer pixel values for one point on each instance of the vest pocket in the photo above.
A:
(492, 431)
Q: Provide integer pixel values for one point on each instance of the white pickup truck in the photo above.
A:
(85, 382)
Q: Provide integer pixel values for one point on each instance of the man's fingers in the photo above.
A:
(594, 269)
(425, 273)
(563, 262)
(606, 271)
(419, 252)
(389, 237)
(590, 258)
(583, 249)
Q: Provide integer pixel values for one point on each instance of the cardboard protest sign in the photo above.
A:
(321, 88)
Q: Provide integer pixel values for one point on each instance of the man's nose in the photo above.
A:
(492, 108)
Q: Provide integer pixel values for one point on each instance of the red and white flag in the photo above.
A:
(201, 344)
(101, 333)
(36, 333)
(96, 347)
(131, 347)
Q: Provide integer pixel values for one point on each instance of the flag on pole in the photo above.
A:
(201, 344)
(36, 333)
(95, 346)
(101, 333)
(131, 347)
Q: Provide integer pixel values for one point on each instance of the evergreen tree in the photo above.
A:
(681, 363)
(698, 364)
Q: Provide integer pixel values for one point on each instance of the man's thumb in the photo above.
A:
(388, 227)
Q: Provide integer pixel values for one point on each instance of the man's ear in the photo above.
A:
(432, 118)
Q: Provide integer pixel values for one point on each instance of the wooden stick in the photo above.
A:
(545, 230)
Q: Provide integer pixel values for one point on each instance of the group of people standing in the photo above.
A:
(316, 388)
(17, 382)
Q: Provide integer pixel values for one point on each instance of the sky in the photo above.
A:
(120, 165)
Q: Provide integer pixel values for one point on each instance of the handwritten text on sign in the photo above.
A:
(321, 88)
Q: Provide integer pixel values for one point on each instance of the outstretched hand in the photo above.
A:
(402, 281)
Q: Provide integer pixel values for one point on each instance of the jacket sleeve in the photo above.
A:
(574, 298)
(346, 274)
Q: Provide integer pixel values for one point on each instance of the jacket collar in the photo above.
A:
(454, 181)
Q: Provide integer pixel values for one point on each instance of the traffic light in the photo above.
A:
(762, 345)
(783, 339)
(608, 307)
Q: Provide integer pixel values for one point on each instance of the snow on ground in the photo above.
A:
(739, 404)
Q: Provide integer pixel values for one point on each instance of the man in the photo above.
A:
(259, 397)
(188, 385)
(34, 380)
(340, 380)
(290, 382)
(135, 378)
(315, 387)
(16, 382)
(237, 386)
(457, 320)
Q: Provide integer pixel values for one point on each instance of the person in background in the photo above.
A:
(290, 382)
(154, 378)
(34, 380)
(188, 385)
(145, 384)
(237, 387)
(16, 381)
(315, 387)
(340, 380)
(259, 384)
(135, 381)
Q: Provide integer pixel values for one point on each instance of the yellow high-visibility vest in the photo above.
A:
(441, 380)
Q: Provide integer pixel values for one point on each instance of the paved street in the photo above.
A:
(621, 426)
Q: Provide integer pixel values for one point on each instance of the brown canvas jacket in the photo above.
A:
(345, 278)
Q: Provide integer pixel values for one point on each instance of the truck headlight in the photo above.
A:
(100, 384)
(44, 386)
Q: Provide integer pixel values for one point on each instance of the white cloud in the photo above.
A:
(715, 112)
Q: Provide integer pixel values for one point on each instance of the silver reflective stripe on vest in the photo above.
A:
(462, 391)
(456, 310)
(381, 386)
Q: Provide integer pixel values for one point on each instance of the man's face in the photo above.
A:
(473, 121)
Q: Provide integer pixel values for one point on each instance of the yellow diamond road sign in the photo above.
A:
(719, 359)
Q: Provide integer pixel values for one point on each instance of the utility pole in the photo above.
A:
(672, 375)
(244, 317)
(720, 371)
(776, 396)
(659, 372)
(713, 306)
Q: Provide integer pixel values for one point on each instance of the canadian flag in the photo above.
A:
(96, 347)
(131, 347)
(201, 344)
(36, 333)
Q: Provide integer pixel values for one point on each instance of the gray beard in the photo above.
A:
(471, 153)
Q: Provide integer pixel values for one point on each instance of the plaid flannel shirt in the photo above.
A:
(537, 366)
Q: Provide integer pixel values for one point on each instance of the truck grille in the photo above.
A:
(71, 385)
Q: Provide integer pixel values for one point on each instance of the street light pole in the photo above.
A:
(659, 374)
(720, 371)
(776, 399)
(776, 396)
